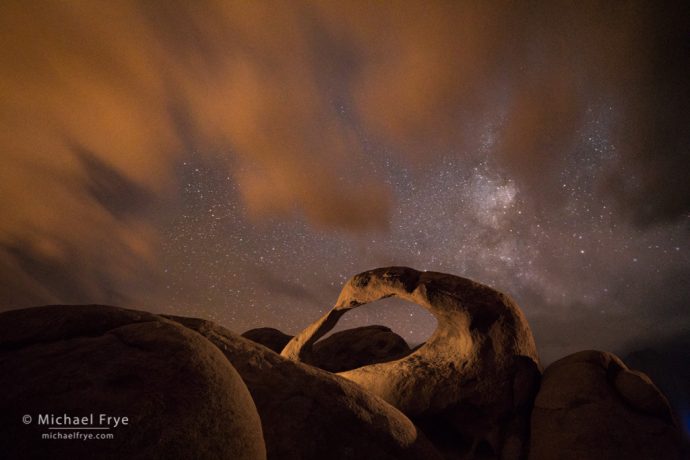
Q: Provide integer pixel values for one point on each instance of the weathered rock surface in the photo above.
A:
(182, 397)
(269, 337)
(591, 406)
(308, 413)
(192, 389)
(473, 380)
(353, 348)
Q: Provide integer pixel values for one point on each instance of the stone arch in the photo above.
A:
(482, 355)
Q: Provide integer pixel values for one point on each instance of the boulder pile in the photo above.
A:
(178, 388)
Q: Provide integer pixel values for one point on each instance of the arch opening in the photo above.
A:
(412, 322)
(381, 331)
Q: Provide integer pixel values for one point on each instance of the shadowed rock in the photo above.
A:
(269, 337)
(591, 406)
(308, 413)
(353, 348)
(182, 397)
(473, 381)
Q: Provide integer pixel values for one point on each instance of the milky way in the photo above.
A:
(238, 161)
(584, 279)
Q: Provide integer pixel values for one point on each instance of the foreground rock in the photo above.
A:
(361, 346)
(271, 338)
(182, 398)
(308, 413)
(473, 380)
(591, 406)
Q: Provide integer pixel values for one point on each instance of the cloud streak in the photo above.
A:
(100, 102)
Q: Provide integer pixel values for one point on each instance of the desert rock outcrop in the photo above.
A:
(591, 406)
(182, 398)
(476, 375)
(308, 413)
(192, 389)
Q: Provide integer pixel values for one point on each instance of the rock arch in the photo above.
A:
(478, 371)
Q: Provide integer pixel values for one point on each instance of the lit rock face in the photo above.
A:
(311, 414)
(591, 406)
(182, 397)
(473, 380)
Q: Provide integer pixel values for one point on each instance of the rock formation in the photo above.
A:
(473, 380)
(308, 413)
(192, 389)
(182, 398)
(271, 338)
(357, 347)
(591, 406)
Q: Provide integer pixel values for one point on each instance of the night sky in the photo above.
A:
(239, 161)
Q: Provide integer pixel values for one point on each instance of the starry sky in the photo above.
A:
(239, 161)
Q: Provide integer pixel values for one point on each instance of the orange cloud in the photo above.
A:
(125, 90)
